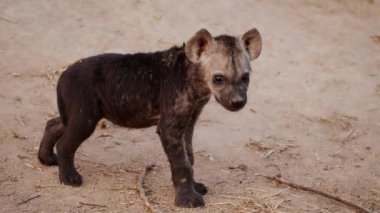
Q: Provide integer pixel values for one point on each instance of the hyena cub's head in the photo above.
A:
(225, 63)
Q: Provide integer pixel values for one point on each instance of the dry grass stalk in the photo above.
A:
(259, 146)
(47, 186)
(53, 76)
(7, 19)
(18, 136)
(252, 204)
(93, 205)
(90, 162)
(275, 194)
(266, 149)
(339, 121)
(20, 120)
(349, 137)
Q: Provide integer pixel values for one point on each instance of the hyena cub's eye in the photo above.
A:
(218, 79)
(245, 78)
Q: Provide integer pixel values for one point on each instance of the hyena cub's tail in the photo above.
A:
(61, 107)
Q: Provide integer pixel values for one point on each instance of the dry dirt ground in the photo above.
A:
(313, 116)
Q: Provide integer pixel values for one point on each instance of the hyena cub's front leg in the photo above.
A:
(171, 134)
(199, 187)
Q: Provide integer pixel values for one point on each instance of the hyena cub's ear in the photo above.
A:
(252, 42)
(197, 45)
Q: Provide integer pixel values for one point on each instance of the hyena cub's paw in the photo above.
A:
(71, 178)
(48, 159)
(200, 188)
(189, 200)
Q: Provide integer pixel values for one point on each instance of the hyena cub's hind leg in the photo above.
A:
(53, 131)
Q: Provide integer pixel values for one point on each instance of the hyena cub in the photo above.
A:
(167, 88)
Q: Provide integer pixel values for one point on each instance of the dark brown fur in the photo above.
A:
(168, 89)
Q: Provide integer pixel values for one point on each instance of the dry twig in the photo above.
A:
(349, 137)
(7, 19)
(95, 163)
(18, 136)
(20, 120)
(46, 186)
(93, 205)
(140, 187)
(324, 194)
(29, 199)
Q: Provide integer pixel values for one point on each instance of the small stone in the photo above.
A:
(242, 167)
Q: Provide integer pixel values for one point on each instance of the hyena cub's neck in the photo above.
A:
(184, 73)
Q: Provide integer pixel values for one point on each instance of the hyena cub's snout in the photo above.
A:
(236, 103)
(233, 99)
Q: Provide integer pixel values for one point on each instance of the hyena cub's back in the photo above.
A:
(115, 86)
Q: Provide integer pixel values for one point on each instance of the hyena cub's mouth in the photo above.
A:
(232, 105)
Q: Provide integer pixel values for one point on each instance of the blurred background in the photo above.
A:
(313, 116)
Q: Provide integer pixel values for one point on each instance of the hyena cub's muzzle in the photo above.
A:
(238, 102)
(234, 101)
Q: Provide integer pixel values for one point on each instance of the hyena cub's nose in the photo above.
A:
(238, 103)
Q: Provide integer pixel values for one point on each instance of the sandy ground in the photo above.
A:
(313, 116)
